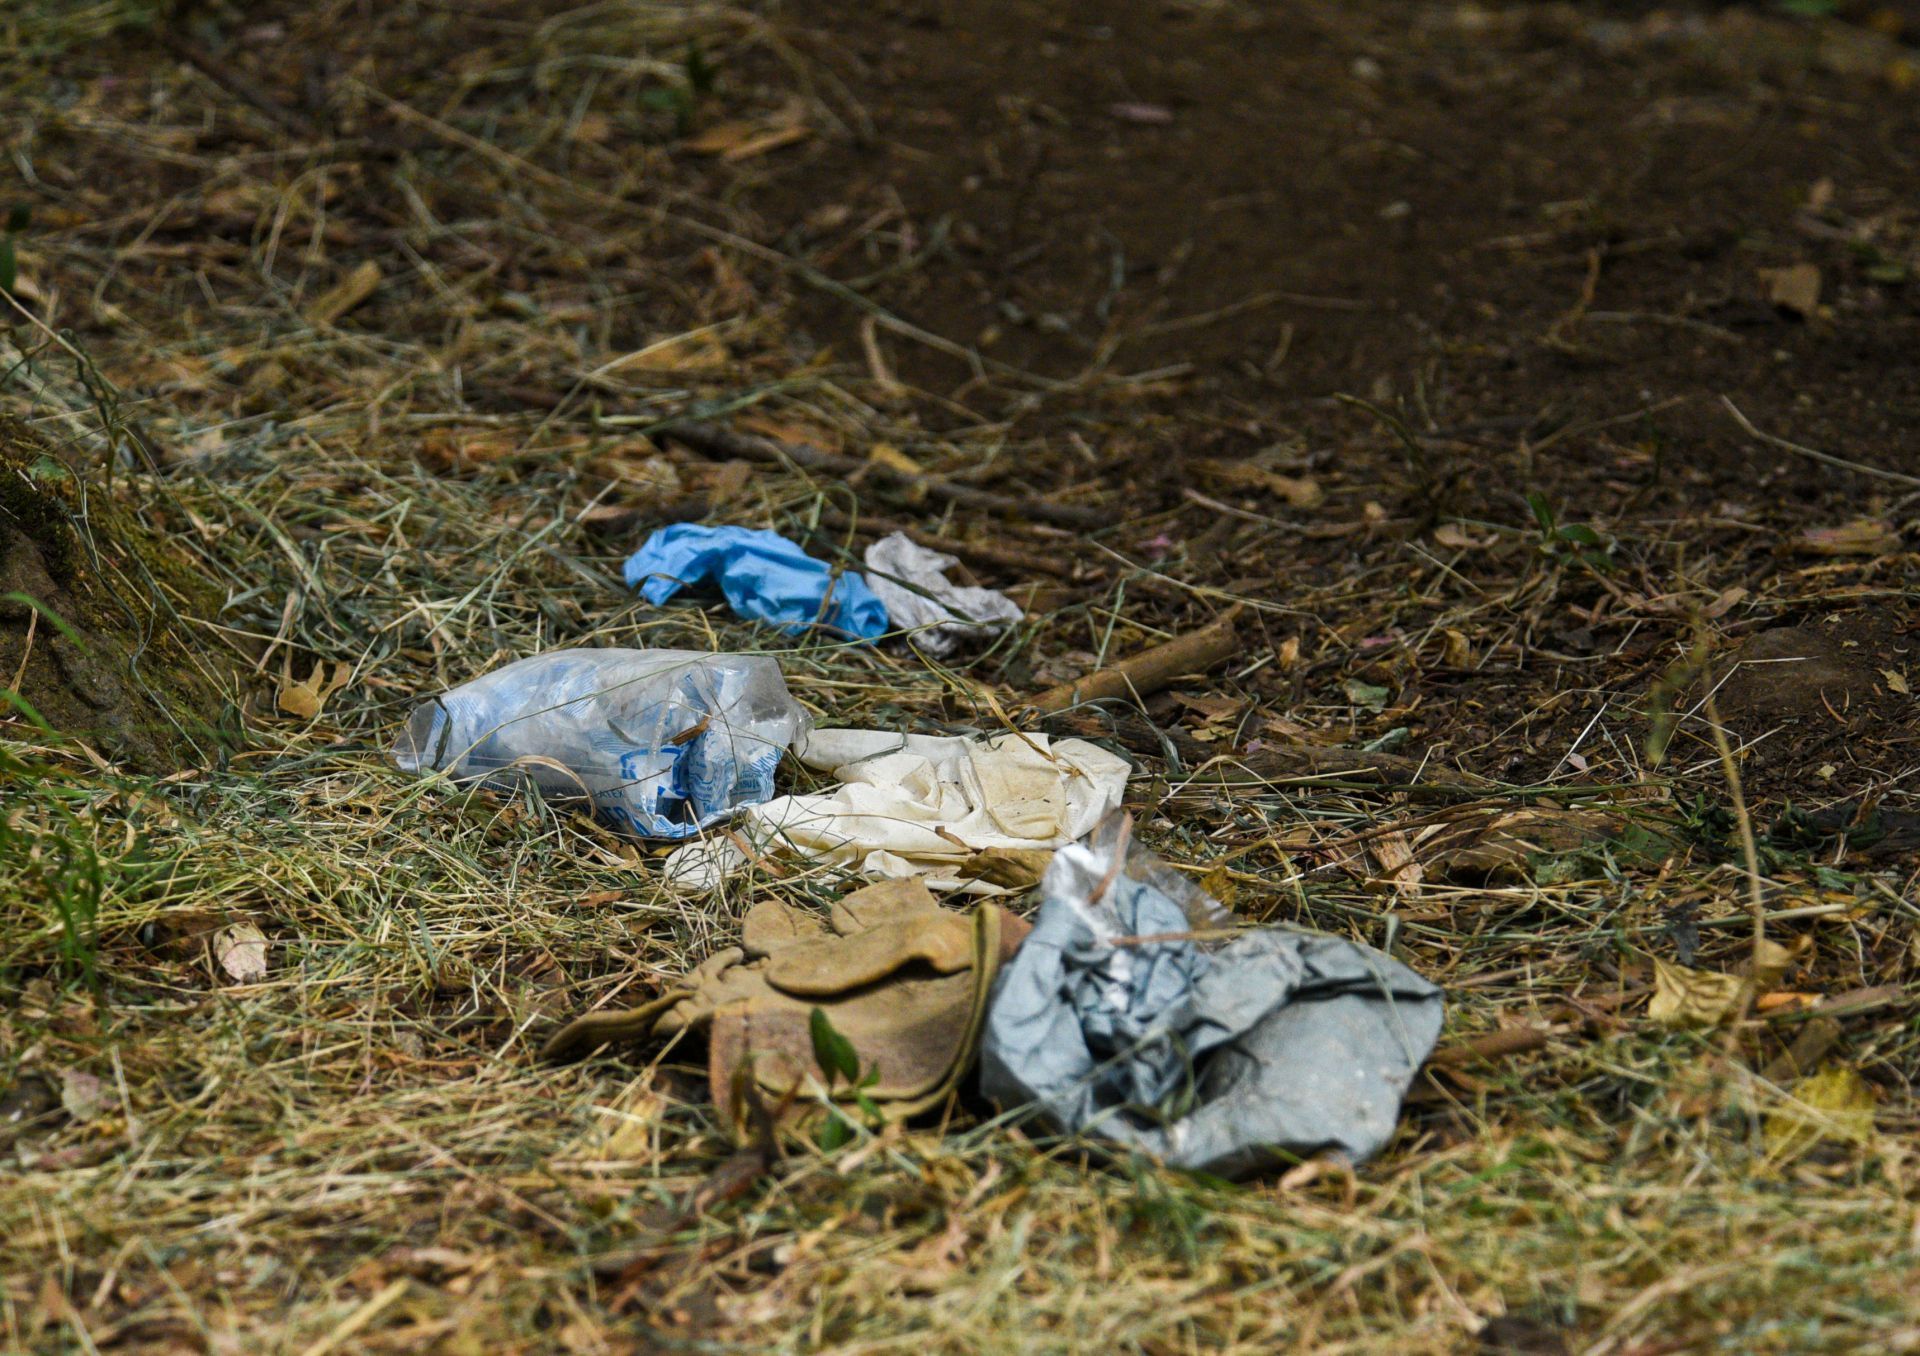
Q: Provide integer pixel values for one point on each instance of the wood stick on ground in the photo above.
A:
(712, 440)
(1491, 1045)
(1151, 670)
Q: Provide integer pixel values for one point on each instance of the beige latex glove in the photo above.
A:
(903, 979)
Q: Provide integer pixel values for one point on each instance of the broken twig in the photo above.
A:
(1150, 670)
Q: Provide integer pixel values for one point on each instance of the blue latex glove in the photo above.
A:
(762, 574)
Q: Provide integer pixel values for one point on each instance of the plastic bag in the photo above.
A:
(1137, 1013)
(938, 614)
(664, 742)
(763, 576)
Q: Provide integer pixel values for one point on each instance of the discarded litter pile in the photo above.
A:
(1135, 1011)
(1139, 1011)
(663, 742)
(948, 809)
(766, 577)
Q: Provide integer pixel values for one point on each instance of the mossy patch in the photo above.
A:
(95, 609)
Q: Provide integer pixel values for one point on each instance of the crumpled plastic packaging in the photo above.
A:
(939, 615)
(664, 742)
(762, 575)
(1136, 1013)
(922, 805)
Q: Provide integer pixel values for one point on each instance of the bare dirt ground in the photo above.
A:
(1539, 380)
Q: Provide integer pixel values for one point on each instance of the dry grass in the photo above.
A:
(358, 1152)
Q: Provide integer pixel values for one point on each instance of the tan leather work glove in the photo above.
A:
(902, 978)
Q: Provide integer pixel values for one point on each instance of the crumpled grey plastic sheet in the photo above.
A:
(939, 614)
(1218, 1050)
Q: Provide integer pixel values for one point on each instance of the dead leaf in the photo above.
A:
(1394, 852)
(242, 952)
(1861, 537)
(1684, 997)
(1834, 1104)
(83, 1095)
(1795, 288)
(1772, 962)
(1505, 847)
(1455, 537)
(1459, 653)
(695, 351)
(742, 140)
(1728, 599)
(307, 699)
(1301, 492)
(1897, 681)
(1211, 707)
(891, 458)
(1012, 868)
(1370, 696)
(721, 137)
(1220, 884)
(344, 295)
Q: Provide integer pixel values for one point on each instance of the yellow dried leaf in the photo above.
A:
(1794, 288)
(1398, 866)
(308, 699)
(721, 137)
(1301, 492)
(1834, 1104)
(1683, 997)
(1897, 681)
(697, 350)
(891, 458)
(1220, 883)
(1772, 961)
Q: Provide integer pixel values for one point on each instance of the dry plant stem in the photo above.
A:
(1813, 454)
(1756, 900)
(715, 441)
(1150, 670)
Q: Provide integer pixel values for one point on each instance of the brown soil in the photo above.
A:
(1828, 695)
(103, 657)
(1509, 219)
(1537, 235)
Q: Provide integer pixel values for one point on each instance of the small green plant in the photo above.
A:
(53, 860)
(17, 218)
(681, 100)
(840, 1062)
(1570, 543)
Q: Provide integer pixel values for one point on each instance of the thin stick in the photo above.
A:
(1150, 670)
(1827, 457)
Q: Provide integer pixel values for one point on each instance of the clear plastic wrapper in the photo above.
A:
(663, 742)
